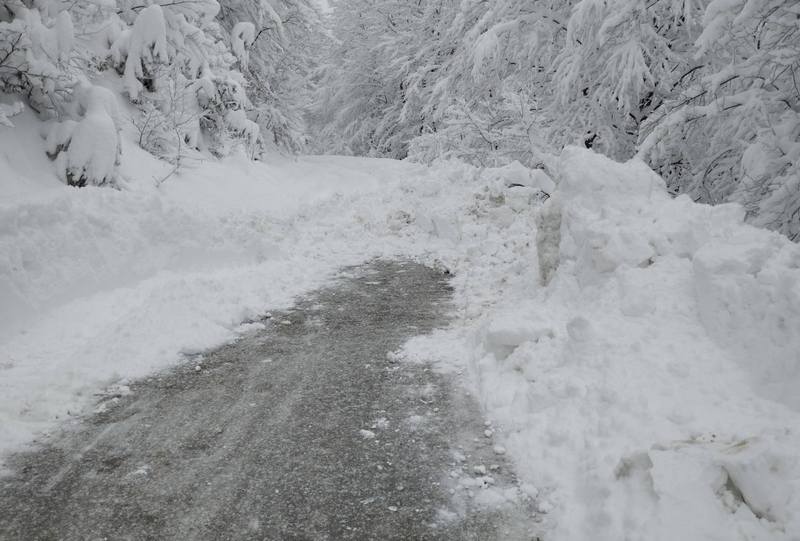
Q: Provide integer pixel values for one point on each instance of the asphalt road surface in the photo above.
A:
(303, 430)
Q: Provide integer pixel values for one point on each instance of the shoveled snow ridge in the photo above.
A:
(649, 390)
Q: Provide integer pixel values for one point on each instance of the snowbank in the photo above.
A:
(649, 391)
(677, 368)
(746, 280)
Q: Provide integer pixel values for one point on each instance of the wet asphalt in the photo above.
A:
(304, 430)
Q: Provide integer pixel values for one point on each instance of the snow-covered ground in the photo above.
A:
(100, 285)
(648, 391)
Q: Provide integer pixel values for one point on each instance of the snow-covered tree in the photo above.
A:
(497, 80)
(36, 42)
(167, 55)
(621, 60)
(38, 62)
(360, 95)
(704, 90)
(442, 77)
(275, 43)
(87, 150)
(177, 65)
(734, 131)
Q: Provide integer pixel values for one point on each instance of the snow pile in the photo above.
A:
(649, 391)
(745, 281)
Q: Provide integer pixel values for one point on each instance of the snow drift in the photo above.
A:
(745, 280)
(649, 391)
(638, 352)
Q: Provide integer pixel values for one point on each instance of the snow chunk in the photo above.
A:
(516, 174)
(508, 330)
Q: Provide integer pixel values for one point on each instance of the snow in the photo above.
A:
(101, 285)
(239, 123)
(145, 42)
(642, 385)
(64, 35)
(516, 174)
(91, 145)
(242, 37)
(9, 110)
(655, 369)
